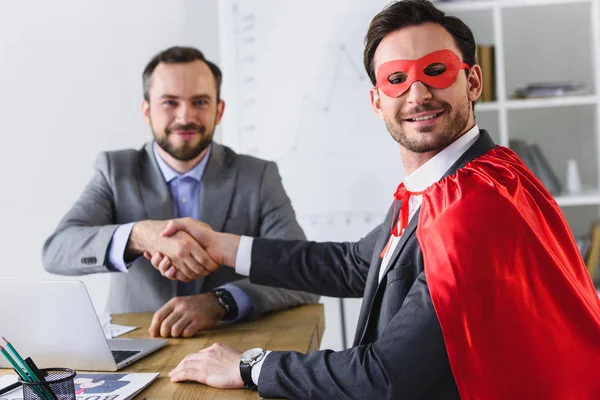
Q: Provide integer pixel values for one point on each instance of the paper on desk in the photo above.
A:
(118, 330)
(105, 386)
(113, 330)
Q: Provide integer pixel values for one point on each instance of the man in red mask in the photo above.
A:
(473, 286)
(437, 70)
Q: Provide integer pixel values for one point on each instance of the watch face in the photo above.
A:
(251, 354)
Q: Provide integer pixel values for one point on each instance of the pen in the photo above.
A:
(41, 375)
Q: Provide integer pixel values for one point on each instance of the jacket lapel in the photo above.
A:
(407, 234)
(154, 191)
(372, 279)
(218, 185)
(155, 194)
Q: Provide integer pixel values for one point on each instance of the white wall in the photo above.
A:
(70, 87)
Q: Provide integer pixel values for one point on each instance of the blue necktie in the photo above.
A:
(186, 208)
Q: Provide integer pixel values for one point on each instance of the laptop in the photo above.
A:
(55, 323)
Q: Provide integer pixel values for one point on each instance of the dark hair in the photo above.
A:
(175, 55)
(405, 13)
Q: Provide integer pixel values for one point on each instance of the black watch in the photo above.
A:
(227, 301)
(247, 360)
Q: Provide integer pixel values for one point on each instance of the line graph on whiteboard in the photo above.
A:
(297, 93)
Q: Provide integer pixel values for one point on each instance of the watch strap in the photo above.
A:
(226, 300)
(246, 373)
(248, 359)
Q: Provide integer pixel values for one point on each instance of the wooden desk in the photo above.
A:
(299, 329)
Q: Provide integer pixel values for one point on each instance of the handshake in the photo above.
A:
(182, 249)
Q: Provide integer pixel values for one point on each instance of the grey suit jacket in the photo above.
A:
(399, 350)
(239, 194)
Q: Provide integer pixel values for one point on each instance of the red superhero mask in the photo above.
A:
(438, 69)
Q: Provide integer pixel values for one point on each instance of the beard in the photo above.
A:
(186, 152)
(425, 140)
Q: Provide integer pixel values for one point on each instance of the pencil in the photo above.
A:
(23, 375)
(32, 376)
(16, 367)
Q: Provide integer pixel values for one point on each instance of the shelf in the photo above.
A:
(474, 5)
(486, 106)
(586, 198)
(538, 103)
(466, 5)
(551, 102)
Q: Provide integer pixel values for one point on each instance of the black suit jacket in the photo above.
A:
(399, 350)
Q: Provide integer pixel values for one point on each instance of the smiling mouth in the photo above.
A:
(425, 118)
(186, 133)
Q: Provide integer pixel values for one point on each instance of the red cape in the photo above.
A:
(518, 310)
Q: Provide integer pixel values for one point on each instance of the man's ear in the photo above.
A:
(220, 109)
(146, 111)
(376, 102)
(475, 83)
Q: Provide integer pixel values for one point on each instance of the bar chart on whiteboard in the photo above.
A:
(297, 93)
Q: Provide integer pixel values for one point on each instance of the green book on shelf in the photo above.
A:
(594, 254)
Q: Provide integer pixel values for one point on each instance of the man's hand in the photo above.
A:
(220, 247)
(217, 366)
(184, 316)
(183, 251)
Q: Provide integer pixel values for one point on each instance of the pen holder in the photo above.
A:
(58, 385)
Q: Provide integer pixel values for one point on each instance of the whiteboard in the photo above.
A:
(297, 93)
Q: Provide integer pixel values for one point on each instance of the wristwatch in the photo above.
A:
(226, 300)
(247, 361)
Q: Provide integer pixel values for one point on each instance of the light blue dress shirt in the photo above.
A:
(185, 191)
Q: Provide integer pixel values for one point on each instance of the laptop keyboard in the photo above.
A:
(120, 355)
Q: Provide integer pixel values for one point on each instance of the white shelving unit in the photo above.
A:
(544, 40)
(471, 5)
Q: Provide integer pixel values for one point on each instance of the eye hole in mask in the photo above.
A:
(431, 70)
(438, 69)
(435, 69)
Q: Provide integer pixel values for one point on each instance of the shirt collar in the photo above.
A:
(169, 173)
(434, 169)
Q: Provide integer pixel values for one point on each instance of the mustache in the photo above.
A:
(187, 127)
(424, 108)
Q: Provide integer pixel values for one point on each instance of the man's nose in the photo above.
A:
(418, 93)
(183, 113)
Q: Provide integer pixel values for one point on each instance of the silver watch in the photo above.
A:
(247, 360)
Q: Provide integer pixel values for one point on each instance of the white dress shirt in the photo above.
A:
(426, 175)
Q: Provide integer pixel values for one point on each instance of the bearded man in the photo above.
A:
(181, 173)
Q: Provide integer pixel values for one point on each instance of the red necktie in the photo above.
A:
(402, 194)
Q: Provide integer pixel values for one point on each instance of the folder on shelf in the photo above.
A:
(584, 244)
(533, 157)
(544, 172)
(519, 146)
